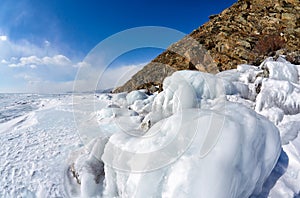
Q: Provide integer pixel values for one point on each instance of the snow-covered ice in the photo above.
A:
(33, 149)
(35, 146)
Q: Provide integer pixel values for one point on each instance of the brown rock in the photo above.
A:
(246, 32)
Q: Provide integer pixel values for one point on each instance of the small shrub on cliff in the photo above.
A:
(269, 44)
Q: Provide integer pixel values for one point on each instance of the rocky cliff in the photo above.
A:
(246, 32)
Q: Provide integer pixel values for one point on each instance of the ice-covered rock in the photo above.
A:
(274, 114)
(119, 99)
(186, 89)
(88, 170)
(104, 97)
(224, 152)
(289, 128)
(113, 106)
(115, 112)
(143, 106)
(135, 96)
(242, 89)
(281, 70)
(247, 73)
(281, 94)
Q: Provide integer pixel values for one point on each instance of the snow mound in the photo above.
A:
(135, 96)
(143, 106)
(119, 99)
(186, 89)
(114, 112)
(104, 97)
(188, 157)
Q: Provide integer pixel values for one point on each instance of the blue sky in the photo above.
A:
(43, 42)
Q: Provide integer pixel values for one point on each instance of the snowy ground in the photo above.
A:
(34, 148)
(230, 135)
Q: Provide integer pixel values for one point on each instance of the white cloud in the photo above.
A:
(3, 61)
(47, 43)
(33, 66)
(3, 38)
(22, 48)
(82, 64)
(28, 61)
(59, 60)
(13, 65)
(90, 81)
(42, 69)
(34, 61)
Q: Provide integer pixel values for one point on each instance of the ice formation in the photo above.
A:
(204, 136)
(194, 157)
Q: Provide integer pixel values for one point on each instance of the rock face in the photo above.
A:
(247, 32)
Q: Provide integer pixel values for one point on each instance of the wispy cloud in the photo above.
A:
(30, 62)
(3, 38)
(32, 69)
(57, 60)
(21, 48)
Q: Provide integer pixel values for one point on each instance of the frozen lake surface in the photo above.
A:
(37, 132)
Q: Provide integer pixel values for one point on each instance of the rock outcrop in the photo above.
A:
(246, 32)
